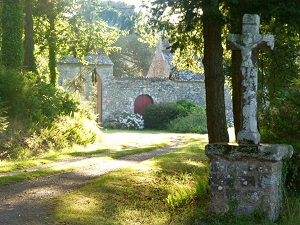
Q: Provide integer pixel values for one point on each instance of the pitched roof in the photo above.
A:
(91, 60)
(163, 53)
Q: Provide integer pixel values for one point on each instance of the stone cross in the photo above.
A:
(249, 42)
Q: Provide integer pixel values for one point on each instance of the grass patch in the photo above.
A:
(169, 189)
(69, 167)
(138, 150)
(149, 193)
(109, 147)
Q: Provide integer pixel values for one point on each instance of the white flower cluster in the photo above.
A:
(131, 121)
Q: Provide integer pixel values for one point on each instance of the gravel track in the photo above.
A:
(28, 202)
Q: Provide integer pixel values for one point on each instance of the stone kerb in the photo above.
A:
(246, 178)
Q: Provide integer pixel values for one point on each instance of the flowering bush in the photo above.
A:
(131, 121)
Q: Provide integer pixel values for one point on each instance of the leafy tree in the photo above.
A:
(134, 58)
(49, 12)
(189, 32)
(29, 63)
(63, 28)
(12, 31)
(87, 32)
(119, 14)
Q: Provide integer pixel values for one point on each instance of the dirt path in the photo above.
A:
(28, 202)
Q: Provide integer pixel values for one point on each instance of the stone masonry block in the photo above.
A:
(246, 181)
(251, 197)
(218, 166)
(221, 179)
(251, 178)
(269, 181)
(217, 195)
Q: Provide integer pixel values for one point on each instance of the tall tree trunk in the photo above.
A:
(214, 76)
(52, 51)
(236, 14)
(12, 31)
(29, 63)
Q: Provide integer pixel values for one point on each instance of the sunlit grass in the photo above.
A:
(169, 189)
(115, 141)
(139, 195)
(109, 149)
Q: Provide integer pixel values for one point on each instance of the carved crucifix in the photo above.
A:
(249, 42)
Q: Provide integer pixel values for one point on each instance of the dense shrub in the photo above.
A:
(3, 118)
(20, 141)
(281, 125)
(194, 122)
(157, 116)
(30, 97)
(41, 117)
(185, 107)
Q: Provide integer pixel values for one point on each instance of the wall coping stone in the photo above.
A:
(234, 152)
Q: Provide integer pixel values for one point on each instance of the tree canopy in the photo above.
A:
(185, 23)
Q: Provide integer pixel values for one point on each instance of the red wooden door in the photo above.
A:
(141, 103)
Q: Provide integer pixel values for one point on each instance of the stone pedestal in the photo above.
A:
(246, 177)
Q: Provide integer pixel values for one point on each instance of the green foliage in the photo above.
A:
(292, 181)
(181, 194)
(29, 97)
(180, 117)
(134, 58)
(230, 218)
(118, 14)
(157, 116)
(41, 116)
(281, 124)
(86, 32)
(185, 107)
(12, 31)
(194, 122)
(3, 118)
(67, 131)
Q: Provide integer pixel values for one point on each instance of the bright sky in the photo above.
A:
(136, 3)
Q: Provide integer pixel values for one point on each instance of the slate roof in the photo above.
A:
(181, 75)
(100, 60)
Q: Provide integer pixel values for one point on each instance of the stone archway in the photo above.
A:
(141, 103)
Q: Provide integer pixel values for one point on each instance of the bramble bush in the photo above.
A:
(131, 121)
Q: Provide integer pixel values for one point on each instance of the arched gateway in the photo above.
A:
(141, 103)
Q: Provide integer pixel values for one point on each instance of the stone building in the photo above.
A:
(116, 95)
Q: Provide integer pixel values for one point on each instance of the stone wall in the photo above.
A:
(119, 94)
(246, 177)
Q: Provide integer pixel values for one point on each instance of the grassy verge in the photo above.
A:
(70, 166)
(118, 141)
(169, 189)
(165, 190)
